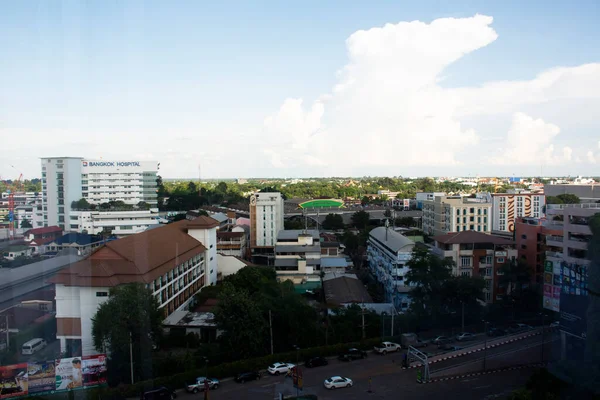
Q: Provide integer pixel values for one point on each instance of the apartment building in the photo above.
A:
(117, 223)
(531, 238)
(388, 252)
(426, 196)
(507, 207)
(298, 255)
(477, 254)
(446, 214)
(61, 185)
(233, 242)
(266, 220)
(174, 261)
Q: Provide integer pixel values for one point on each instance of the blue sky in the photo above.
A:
(186, 78)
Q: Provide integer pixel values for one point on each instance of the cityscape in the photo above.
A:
(440, 239)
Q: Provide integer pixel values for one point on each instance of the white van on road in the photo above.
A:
(33, 346)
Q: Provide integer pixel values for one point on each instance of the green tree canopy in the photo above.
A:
(333, 222)
(26, 224)
(360, 219)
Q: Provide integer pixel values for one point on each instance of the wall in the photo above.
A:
(229, 265)
(208, 237)
(89, 303)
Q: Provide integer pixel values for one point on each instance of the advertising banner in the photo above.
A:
(13, 381)
(94, 370)
(548, 266)
(406, 204)
(69, 373)
(41, 376)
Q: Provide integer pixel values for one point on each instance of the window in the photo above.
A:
(465, 261)
(101, 294)
(458, 220)
(500, 260)
(523, 246)
(471, 219)
(489, 259)
(485, 211)
(472, 210)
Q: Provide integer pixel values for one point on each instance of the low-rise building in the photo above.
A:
(117, 223)
(232, 243)
(345, 289)
(477, 254)
(174, 261)
(47, 232)
(388, 252)
(445, 214)
(82, 243)
(298, 255)
(12, 252)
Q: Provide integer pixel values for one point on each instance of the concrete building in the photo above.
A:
(477, 254)
(174, 261)
(388, 252)
(507, 207)
(232, 243)
(446, 214)
(82, 243)
(68, 179)
(48, 232)
(117, 223)
(427, 196)
(298, 255)
(266, 220)
(587, 193)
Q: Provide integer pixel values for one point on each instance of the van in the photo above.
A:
(33, 346)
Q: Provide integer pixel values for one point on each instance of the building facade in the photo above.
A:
(477, 254)
(232, 243)
(587, 193)
(445, 214)
(388, 252)
(533, 237)
(68, 179)
(174, 261)
(117, 223)
(510, 206)
(266, 220)
(298, 255)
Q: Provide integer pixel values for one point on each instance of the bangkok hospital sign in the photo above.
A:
(111, 164)
(101, 166)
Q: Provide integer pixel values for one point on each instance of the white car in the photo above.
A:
(337, 382)
(280, 368)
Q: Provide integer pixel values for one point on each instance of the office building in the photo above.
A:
(515, 204)
(446, 214)
(116, 223)
(388, 252)
(266, 220)
(174, 261)
(477, 254)
(68, 179)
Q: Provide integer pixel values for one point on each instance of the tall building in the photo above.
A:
(388, 252)
(68, 179)
(446, 214)
(117, 223)
(512, 205)
(174, 261)
(266, 220)
(61, 185)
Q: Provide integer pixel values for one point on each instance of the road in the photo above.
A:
(389, 380)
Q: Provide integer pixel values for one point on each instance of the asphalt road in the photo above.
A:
(390, 381)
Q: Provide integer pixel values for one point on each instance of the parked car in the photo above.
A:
(353, 354)
(496, 332)
(337, 382)
(441, 340)
(160, 393)
(280, 368)
(387, 347)
(200, 384)
(248, 376)
(463, 337)
(411, 339)
(518, 328)
(449, 347)
(316, 362)
(555, 324)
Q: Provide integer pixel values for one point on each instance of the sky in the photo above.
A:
(270, 89)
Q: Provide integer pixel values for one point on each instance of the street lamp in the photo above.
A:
(485, 324)
(542, 350)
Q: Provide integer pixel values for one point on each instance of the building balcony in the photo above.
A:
(554, 240)
(579, 228)
(554, 254)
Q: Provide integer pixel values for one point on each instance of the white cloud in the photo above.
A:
(590, 157)
(388, 108)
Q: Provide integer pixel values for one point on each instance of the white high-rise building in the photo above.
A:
(266, 220)
(68, 179)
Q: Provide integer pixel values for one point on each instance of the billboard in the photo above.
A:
(574, 299)
(552, 285)
(49, 377)
(406, 204)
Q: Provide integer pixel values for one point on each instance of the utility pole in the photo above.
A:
(7, 333)
(363, 323)
(485, 344)
(271, 331)
(131, 356)
(542, 350)
(463, 316)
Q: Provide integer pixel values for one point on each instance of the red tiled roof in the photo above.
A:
(470, 237)
(41, 241)
(41, 231)
(142, 257)
(203, 222)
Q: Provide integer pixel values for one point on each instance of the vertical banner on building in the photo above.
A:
(13, 381)
(41, 376)
(406, 204)
(69, 373)
(552, 286)
(94, 370)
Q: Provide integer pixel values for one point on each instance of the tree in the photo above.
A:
(26, 224)
(360, 219)
(515, 278)
(81, 204)
(387, 213)
(565, 198)
(192, 188)
(131, 313)
(408, 222)
(333, 222)
(142, 205)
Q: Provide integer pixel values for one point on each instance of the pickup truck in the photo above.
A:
(387, 347)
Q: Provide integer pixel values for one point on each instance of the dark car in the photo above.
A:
(449, 347)
(247, 376)
(161, 393)
(439, 340)
(464, 336)
(353, 354)
(316, 362)
(496, 332)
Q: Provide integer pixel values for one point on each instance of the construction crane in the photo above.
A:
(11, 205)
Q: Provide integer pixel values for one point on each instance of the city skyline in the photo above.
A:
(450, 90)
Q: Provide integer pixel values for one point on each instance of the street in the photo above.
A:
(388, 379)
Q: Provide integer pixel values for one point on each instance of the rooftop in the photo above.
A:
(142, 257)
(288, 234)
(81, 239)
(41, 231)
(470, 237)
(186, 318)
(345, 290)
(393, 240)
